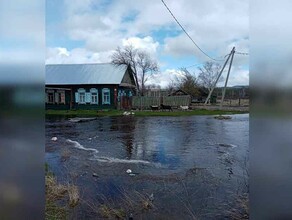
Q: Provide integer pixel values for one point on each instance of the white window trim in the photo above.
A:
(104, 90)
(81, 90)
(93, 90)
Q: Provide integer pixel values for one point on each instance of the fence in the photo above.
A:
(145, 102)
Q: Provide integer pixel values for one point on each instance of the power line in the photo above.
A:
(195, 65)
(241, 53)
(187, 32)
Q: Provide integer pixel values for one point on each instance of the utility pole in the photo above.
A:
(224, 90)
(213, 87)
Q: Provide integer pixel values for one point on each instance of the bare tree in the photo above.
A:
(208, 74)
(188, 83)
(140, 61)
(172, 86)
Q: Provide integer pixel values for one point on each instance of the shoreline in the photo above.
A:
(143, 113)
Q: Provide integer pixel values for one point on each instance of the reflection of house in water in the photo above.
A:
(162, 142)
(126, 125)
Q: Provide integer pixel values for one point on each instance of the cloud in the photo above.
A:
(59, 55)
(165, 78)
(103, 25)
(147, 44)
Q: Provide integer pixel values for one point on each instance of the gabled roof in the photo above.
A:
(73, 74)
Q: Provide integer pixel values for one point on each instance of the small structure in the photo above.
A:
(179, 92)
(202, 96)
(156, 92)
(89, 86)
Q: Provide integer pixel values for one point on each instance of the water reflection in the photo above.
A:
(168, 154)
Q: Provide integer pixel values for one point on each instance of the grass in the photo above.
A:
(108, 212)
(95, 113)
(59, 197)
(241, 211)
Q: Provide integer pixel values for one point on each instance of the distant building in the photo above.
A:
(235, 92)
(89, 86)
(156, 92)
(179, 92)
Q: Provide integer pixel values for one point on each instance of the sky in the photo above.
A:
(88, 31)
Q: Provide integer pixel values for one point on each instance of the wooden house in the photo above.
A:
(89, 86)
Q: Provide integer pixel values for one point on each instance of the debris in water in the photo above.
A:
(132, 174)
(222, 117)
(94, 175)
(81, 119)
(54, 139)
(129, 113)
(129, 171)
(83, 174)
(227, 145)
(151, 197)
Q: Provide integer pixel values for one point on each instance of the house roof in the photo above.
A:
(73, 74)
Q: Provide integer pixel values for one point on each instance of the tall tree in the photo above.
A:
(208, 74)
(140, 61)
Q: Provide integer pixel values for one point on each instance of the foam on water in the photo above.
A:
(79, 146)
(117, 160)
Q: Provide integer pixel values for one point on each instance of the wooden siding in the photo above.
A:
(87, 88)
(145, 102)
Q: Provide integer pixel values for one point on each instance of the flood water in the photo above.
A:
(191, 167)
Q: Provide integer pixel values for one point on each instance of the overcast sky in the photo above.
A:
(88, 31)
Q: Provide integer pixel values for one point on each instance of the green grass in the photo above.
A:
(95, 113)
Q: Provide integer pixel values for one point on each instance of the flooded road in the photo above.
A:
(181, 167)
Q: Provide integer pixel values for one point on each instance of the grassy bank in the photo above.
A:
(60, 198)
(94, 113)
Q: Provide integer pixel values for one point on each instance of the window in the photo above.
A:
(82, 97)
(105, 96)
(94, 96)
(50, 97)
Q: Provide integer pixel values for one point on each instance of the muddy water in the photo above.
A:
(182, 167)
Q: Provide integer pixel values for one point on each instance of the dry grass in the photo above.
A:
(146, 204)
(56, 193)
(133, 203)
(54, 190)
(73, 193)
(242, 209)
(108, 212)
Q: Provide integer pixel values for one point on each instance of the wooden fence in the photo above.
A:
(144, 102)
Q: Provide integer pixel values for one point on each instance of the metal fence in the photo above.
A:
(144, 102)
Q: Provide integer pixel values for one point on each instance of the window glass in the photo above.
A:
(105, 96)
(94, 96)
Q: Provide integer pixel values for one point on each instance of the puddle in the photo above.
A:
(175, 158)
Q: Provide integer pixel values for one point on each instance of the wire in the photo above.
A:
(187, 33)
(241, 53)
(194, 65)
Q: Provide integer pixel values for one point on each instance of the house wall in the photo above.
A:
(128, 78)
(74, 89)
